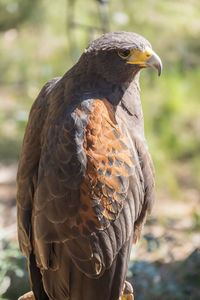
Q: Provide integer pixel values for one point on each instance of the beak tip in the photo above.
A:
(160, 69)
(155, 63)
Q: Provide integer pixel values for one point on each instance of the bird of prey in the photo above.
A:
(85, 178)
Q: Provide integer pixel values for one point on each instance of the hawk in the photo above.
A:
(85, 178)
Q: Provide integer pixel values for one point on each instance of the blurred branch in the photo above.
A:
(104, 15)
(72, 25)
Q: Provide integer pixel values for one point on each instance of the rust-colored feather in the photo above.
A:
(104, 144)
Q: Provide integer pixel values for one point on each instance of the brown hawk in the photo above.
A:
(85, 178)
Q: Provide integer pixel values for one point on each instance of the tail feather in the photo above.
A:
(69, 283)
(36, 280)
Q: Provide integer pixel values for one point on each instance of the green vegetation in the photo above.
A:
(13, 272)
(37, 45)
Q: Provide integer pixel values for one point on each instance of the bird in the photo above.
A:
(85, 180)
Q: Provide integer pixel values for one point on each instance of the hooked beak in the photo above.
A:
(155, 62)
(145, 59)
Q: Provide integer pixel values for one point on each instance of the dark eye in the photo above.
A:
(124, 53)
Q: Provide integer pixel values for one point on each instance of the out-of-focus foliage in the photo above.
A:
(13, 271)
(178, 280)
(14, 13)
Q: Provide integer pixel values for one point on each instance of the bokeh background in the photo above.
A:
(41, 39)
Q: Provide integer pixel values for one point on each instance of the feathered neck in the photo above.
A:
(83, 83)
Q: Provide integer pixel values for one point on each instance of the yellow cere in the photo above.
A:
(138, 57)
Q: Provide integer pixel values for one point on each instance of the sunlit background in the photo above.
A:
(42, 39)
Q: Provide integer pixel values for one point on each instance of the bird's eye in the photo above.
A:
(124, 53)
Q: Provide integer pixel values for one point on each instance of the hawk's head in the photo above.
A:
(118, 56)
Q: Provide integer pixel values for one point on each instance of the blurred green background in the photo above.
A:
(42, 39)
